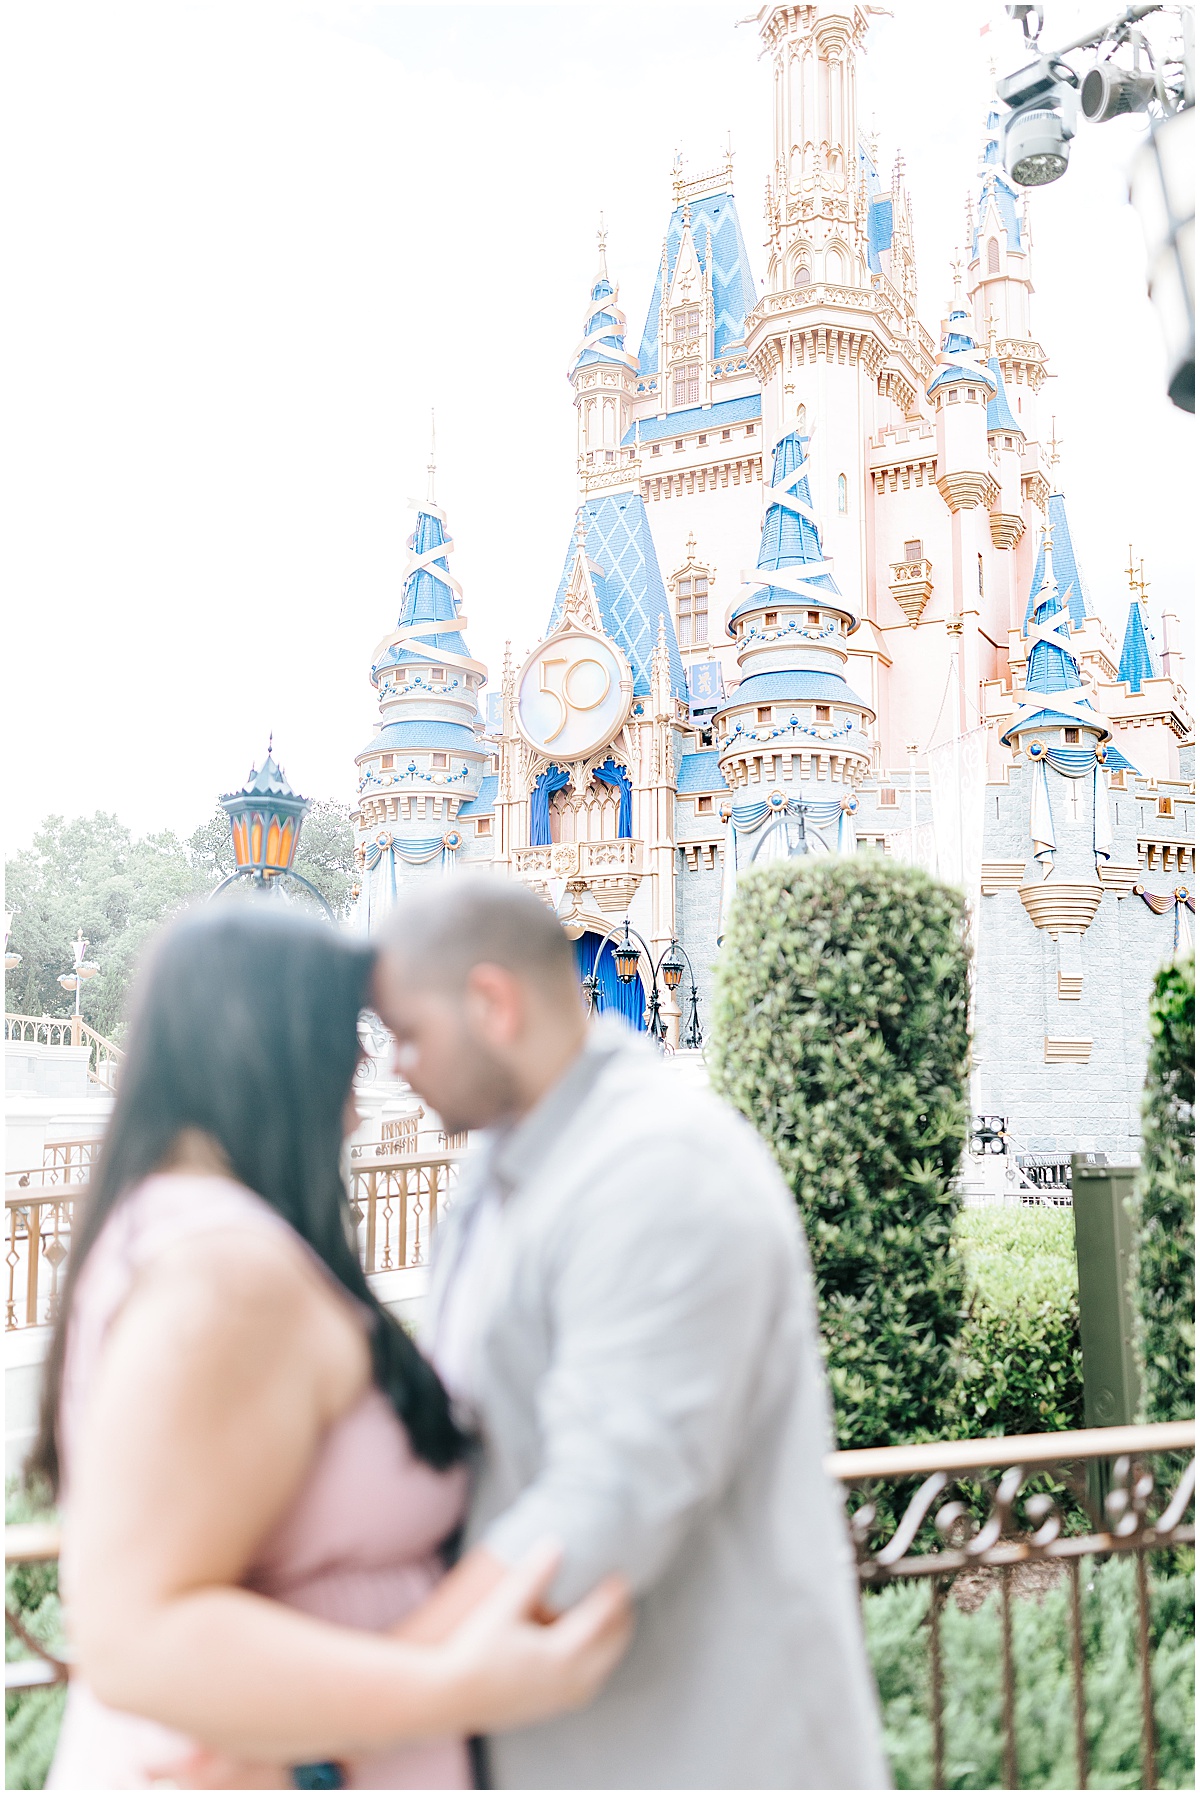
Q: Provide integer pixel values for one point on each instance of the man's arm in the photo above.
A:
(666, 1281)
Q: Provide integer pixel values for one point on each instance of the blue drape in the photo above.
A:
(626, 1001)
(552, 780)
(611, 774)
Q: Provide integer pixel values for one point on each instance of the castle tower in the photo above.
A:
(424, 777)
(999, 276)
(792, 737)
(603, 376)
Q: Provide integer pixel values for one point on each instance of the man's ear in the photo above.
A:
(495, 1003)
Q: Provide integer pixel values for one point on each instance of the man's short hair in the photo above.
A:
(440, 929)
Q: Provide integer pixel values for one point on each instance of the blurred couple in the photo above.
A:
(582, 1539)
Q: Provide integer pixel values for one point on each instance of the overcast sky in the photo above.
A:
(249, 245)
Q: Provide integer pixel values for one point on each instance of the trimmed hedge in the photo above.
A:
(31, 1716)
(1164, 1202)
(841, 1033)
(1021, 1363)
(897, 1642)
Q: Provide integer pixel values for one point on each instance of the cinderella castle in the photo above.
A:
(820, 595)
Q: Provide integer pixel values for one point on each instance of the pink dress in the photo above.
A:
(357, 1547)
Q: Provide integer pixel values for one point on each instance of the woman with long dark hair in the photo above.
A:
(257, 1469)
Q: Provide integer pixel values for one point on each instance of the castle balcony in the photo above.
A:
(611, 870)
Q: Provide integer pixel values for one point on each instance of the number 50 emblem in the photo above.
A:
(573, 694)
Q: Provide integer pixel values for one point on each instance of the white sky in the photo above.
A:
(249, 245)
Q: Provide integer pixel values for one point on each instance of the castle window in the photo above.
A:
(1166, 807)
(750, 429)
(679, 442)
(821, 713)
(439, 763)
(686, 324)
(764, 713)
(483, 825)
(993, 256)
(887, 797)
(726, 435)
(703, 806)
(841, 492)
(1117, 780)
(701, 440)
(691, 593)
(914, 551)
(437, 673)
(1070, 736)
(814, 617)
(771, 620)
(386, 761)
(685, 384)
(656, 449)
(495, 763)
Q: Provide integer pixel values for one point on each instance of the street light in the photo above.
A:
(265, 819)
(672, 963)
(84, 969)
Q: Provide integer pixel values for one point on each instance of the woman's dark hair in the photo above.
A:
(245, 1025)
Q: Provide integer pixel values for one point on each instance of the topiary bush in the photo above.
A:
(1164, 1202)
(841, 1033)
(1021, 1361)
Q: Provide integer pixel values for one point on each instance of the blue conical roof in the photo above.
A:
(426, 597)
(1137, 663)
(603, 327)
(791, 538)
(1000, 415)
(1067, 577)
(1052, 665)
(959, 357)
(995, 184)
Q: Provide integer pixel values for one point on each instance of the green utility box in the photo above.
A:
(1103, 1244)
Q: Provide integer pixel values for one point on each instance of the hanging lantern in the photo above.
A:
(625, 958)
(264, 821)
(673, 967)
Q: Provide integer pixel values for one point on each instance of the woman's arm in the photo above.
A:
(225, 1366)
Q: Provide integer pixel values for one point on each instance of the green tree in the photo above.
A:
(841, 1033)
(1164, 1202)
(90, 873)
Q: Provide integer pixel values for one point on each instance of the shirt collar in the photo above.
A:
(516, 1151)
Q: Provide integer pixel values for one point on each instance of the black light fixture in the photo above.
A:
(673, 967)
(625, 958)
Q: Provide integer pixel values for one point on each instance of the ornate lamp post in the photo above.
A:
(265, 818)
(672, 963)
(74, 981)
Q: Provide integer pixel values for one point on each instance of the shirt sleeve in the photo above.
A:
(660, 1305)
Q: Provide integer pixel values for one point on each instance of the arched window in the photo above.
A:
(690, 586)
(993, 265)
(835, 266)
(841, 492)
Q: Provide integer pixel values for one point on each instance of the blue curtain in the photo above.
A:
(626, 1001)
(611, 774)
(552, 780)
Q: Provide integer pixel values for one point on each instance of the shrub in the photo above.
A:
(1042, 1657)
(841, 1033)
(1164, 1202)
(1021, 1363)
(31, 1716)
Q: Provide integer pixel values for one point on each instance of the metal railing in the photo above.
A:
(1134, 1523)
(104, 1056)
(396, 1199)
(1000, 1544)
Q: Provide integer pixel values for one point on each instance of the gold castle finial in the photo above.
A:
(432, 470)
(602, 241)
(991, 336)
(1137, 580)
(1053, 457)
(956, 270)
